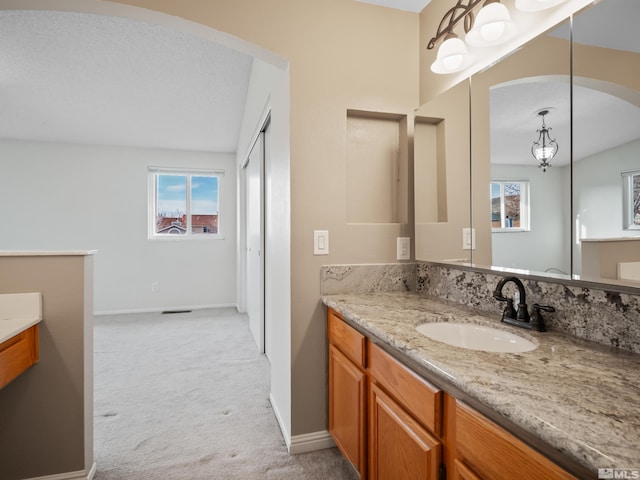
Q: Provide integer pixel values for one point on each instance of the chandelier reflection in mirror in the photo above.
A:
(492, 26)
(545, 147)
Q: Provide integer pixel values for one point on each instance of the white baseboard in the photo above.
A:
(283, 427)
(310, 442)
(79, 475)
(162, 309)
(307, 442)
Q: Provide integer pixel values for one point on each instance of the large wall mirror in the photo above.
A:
(442, 177)
(521, 210)
(606, 142)
(577, 215)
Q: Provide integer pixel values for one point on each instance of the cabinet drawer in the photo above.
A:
(420, 398)
(496, 454)
(17, 354)
(347, 339)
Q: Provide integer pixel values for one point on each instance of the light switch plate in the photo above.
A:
(403, 248)
(321, 242)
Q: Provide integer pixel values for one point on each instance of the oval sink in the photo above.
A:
(476, 337)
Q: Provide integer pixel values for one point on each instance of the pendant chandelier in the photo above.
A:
(545, 147)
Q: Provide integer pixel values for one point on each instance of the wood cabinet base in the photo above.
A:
(399, 447)
(17, 354)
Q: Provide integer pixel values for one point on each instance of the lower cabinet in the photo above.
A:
(392, 424)
(486, 451)
(348, 392)
(399, 447)
(462, 472)
(347, 408)
(17, 354)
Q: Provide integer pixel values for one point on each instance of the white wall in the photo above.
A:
(59, 197)
(597, 185)
(545, 246)
(268, 92)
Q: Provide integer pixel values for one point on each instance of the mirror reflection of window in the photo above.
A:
(631, 199)
(510, 206)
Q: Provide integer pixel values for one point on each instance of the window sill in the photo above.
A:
(185, 238)
(509, 230)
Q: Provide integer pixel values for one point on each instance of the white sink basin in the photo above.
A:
(476, 337)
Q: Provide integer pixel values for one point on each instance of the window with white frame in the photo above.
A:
(509, 206)
(184, 203)
(631, 199)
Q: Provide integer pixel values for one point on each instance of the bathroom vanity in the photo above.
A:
(401, 402)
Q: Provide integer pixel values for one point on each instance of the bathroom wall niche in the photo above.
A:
(376, 167)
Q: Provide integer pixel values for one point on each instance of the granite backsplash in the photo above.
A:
(608, 317)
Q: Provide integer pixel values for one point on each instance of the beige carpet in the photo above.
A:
(185, 396)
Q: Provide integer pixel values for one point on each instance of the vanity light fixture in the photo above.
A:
(453, 56)
(536, 5)
(545, 147)
(493, 26)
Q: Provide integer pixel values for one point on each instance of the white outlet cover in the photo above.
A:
(403, 251)
(468, 238)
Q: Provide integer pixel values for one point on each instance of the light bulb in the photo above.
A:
(492, 31)
(493, 26)
(452, 62)
(453, 56)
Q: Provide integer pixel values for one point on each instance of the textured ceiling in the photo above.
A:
(79, 78)
(601, 120)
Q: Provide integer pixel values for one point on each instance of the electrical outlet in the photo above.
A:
(468, 238)
(155, 287)
(403, 248)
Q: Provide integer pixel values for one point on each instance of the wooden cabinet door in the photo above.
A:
(399, 447)
(347, 408)
(495, 454)
(462, 472)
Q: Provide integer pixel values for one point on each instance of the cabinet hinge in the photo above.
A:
(442, 472)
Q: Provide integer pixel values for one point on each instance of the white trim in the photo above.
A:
(264, 118)
(79, 475)
(184, 171)
(310, 442)
(281, 424)
(162, 309)
(92, 471)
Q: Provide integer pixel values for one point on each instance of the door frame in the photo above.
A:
(243, 293)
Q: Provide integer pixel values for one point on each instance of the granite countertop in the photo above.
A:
(577, 397)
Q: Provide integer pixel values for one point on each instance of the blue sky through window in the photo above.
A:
(204, 195)
(172, 195)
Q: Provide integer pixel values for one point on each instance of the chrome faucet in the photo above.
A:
(520, 317)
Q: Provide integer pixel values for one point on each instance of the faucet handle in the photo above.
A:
(537, 322)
